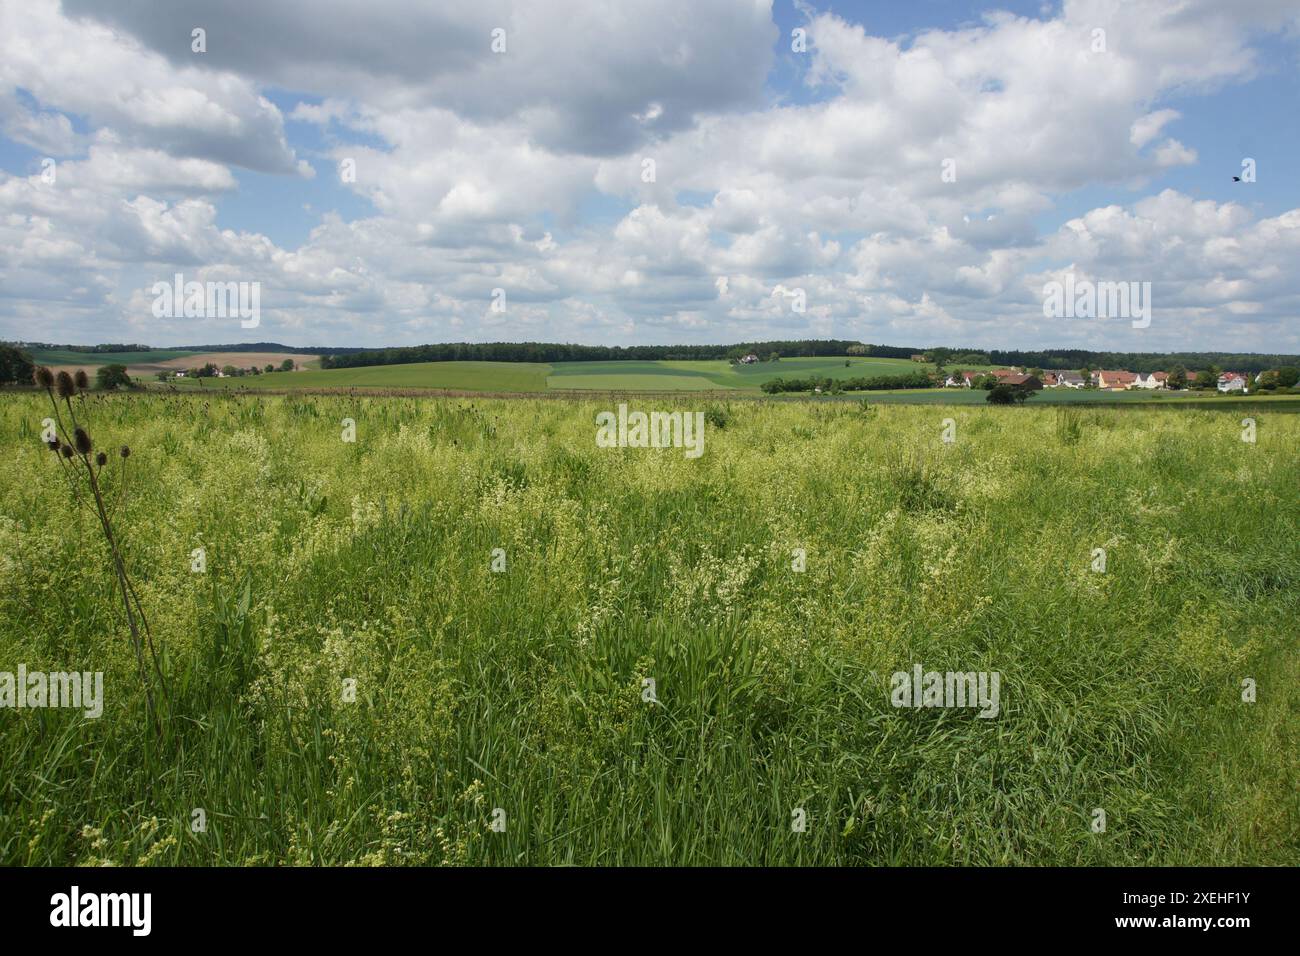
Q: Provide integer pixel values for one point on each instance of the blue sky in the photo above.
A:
(523, 170)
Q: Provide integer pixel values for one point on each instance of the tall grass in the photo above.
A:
(523, 690)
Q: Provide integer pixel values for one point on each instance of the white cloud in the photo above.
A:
(1148, 127)
(524, 171)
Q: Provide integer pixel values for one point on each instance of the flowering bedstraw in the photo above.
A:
(473, 637)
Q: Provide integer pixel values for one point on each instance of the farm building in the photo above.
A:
(1021, 380)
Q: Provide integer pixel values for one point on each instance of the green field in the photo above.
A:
(70, 357)
(685, 376)
(453, 376)
(705, 375)
(520, 695)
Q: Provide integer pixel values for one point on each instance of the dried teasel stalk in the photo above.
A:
(75, 449)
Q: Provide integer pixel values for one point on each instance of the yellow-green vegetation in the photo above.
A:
(524, 689)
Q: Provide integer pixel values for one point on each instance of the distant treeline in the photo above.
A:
(270, 347)
(549, 352)
(87, 349)
(878, 383)
(552, 352)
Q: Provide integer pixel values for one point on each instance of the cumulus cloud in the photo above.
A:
(82, 67)
(584, 77)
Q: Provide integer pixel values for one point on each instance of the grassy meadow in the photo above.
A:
(524, 689)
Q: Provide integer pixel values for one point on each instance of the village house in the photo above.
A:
(1232, 382)
(1152, 380)
(749, 359)
(1115, 381)
(1005, 374)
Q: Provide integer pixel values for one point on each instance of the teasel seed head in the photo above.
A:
(52, 444)
(83, 441)
(43, 377)
(101, 459)
(82, 380)
(126, 451)
(66, 451)
(66, 387)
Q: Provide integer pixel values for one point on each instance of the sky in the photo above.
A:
(652, 171)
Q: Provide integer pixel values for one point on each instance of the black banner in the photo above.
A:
(337, 905)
